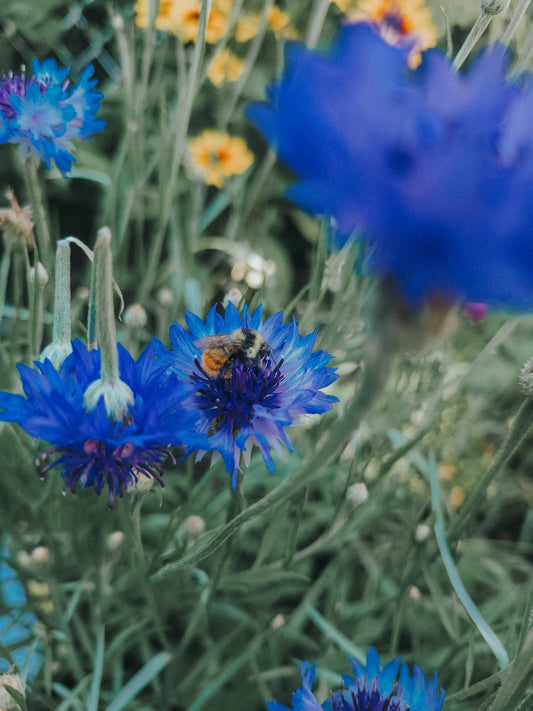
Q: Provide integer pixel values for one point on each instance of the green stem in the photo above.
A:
(378, 365)
(182, 117)
(480, 25)
(520, 11)
(516, 434)
(4, 272)
(39, 212)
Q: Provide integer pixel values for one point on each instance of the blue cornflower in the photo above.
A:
(17, 625)
(432, 167)
(370, 689)
(43, 113)
(94, 450)
(252, 398)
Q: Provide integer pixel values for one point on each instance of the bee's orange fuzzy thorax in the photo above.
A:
(213, 361)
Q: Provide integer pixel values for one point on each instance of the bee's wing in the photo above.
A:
(218, 340)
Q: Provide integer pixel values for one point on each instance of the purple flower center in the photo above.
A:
(364, 699)
(96, 463)
(236, 393)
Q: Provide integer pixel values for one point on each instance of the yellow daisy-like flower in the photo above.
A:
(225, 66)
(278, 20)
(217, 156)
(182, 18)
(398, 21)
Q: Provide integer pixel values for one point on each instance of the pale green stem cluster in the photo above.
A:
(117, 395)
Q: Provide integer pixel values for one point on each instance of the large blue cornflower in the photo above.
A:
(432, 167)
(95, 451)
(370, 689)
(251, 399)
(44, 113)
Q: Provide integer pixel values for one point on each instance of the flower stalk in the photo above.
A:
(61, 346)
(117, 395)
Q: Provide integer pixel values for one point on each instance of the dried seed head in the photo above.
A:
(493, 7)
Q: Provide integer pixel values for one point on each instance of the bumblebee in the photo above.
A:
(223, 350)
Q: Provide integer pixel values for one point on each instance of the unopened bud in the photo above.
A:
(414, 593)
(42, 275)
(194, 525)
(41, 555)
(422, 532)
(233, 297)
(115, 541)
(165, 297)
(117, 22)
(357, 494)
(277, 622)
(143, 483)
(135, 316)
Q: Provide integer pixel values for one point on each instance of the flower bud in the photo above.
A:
(42, 275)
(357, 494)
(115, 540)
(135, 317)
(194, 525)
(165, 297)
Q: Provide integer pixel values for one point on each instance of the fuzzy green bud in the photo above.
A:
(117, 395)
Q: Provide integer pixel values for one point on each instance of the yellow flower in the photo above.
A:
(398, 20)
(216, 156)
(182, 18)
(279, 21)
(225, 66)
(457, 496)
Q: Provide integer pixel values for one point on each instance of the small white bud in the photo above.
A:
(135, 316)
(414, 593)
(165, 297)
(194, 525)
(40, 555)
(115, 540)
(277, 622)
(357, 494)
(422, 532)
(42, 274)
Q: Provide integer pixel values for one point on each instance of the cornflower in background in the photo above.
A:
(44, 113)
(249, 385)
(442, 193)
(95, 449)
(216, 156)
(18, 626)
(224, 67)
(370, 689)
(182, 18)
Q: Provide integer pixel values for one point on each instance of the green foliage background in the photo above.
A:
(141, 610)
